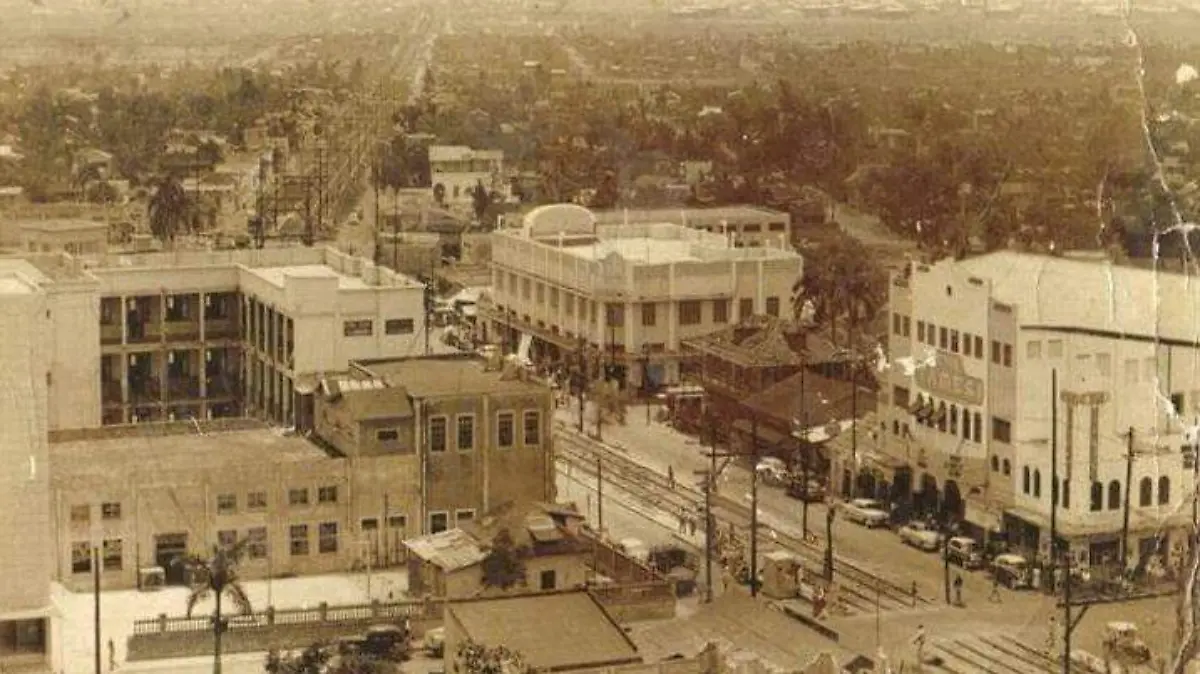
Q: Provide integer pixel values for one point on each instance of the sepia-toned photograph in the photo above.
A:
(600, 337)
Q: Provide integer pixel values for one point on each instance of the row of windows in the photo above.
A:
(327, 539)
(112, 554)
(82, 514)
(366, 327)
(947, 339)
(1031, 485)
(946, 418)
(464, 426)
(227, 503)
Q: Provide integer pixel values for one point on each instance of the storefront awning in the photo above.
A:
(982, 516)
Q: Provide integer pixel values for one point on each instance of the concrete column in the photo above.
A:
(124, 320)
(203, 321)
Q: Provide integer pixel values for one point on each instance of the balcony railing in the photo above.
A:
(224, 328)
(110, 393)
(147, 392)
(183, 331)
(183, 388)
(110, 334)
(223, 387)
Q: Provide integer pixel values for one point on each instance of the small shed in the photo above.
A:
(445, 564)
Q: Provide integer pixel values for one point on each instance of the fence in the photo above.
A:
(612, 562)
(415, 610)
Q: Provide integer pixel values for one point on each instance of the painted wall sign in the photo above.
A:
(948, 380)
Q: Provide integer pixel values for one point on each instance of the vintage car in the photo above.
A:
(810, 492)
(866, 511)
(772, 471)
(1121, 640)
(1011, 571)
(921, 535)
(964, 552)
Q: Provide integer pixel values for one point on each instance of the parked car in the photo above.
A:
(1011, 571)
(921, 536)
(1122, 639)
(435, 642)
(866, 511)
(772, 471)
(810, 492)
(964, 552)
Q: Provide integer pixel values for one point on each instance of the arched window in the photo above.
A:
(1145, 489)
(895, 427)
(1025, 479)
(1007, 467)
(1037, 484)
(1114, 495)
(954, 419)
(1164, 490)
(1097, 497)
(995, 464)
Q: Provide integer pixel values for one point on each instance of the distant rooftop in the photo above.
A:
(732, 215)
(430, 376)
(63, 225)
(438, 153)
(13, 285)
(277, 275)
(552, 631)
(146, 452)
(451, 550)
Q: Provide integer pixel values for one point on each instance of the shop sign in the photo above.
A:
(948, 380)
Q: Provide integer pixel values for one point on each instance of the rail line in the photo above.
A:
(860, 589)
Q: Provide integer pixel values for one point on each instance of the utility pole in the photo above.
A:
(754, 507)
(853, 401)
(428, 308)
(375, 190)
(1125, 514)
(600, 494)
(830, 514)
(804, 451)
(395, 232)
(1055, 484)
(96, 606)
(708, 497)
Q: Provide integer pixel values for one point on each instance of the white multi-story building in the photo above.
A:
(633, 292)
(968, 405)
(205, 334)
(458, 169)
(748, 226)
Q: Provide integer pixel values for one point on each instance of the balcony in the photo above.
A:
(142, 392)
(143, 320)
(110, 320)
(183, 388)
(110, 392)
(182, 318)
(223, 386)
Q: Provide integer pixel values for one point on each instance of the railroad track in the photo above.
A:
(993, 654)
(860, 589)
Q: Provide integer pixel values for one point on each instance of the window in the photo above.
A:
(81, 557)
(438, 522)
(1164, 490)
(954, 341)
(720, 312)
(954, 419)
(995, 352)
(1145, 492)
(256, 546)
(745, 308)
(547, 580)
(995, 464)
(1097, 503)
(1054, 348)
(505, 429)
(649, 314)
(387, 435)
(1037, 483)
(773, 306)
(363, 328)
(113, 554)
(327, 537)
(397, 522)
(921, 331)
(1033, 350)
(614, 314)
(1104, 364)
(110, 511)
(226, 538)
(1007, 469)
(966, 424)
(1025, 480)
(256, 500)
(1177, 402)
(978, 346)
(1114, 495)
(399, 326)
(533, 427)
(1066, 494)
(462, 517)
(1001, 430)
(1008, 355)
(226, 504)
(465, 432)
(906, 326)
(689, 312)
(941, 417)
(81, 514)
(977, 431)
(437, 434)
(966, 344)
(327, 494)
(298, 539)
(297, 497)
(943, 338)
(895, 323)
(900, 396)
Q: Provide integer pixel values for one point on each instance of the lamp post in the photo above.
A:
(646, 378)
(830, 516)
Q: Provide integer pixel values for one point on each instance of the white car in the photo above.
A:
(921, 536)
(772, 471)
(866, 511)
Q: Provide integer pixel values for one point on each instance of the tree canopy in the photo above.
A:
(504, 566)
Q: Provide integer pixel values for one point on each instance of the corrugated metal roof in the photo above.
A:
(449, 550)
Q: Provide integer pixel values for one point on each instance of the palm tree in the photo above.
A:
(217, 576)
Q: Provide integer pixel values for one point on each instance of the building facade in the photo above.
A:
(630, 293)
(969, 405)
(743, 226)
(458, 169)
(200, 334)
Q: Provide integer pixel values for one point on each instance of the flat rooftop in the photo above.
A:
(692, 216)
(425, 377)
(641, 250)
(551, 630)
(277, 275)
(125, 450)
(11, 285)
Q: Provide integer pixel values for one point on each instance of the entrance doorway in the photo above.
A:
(168, 548)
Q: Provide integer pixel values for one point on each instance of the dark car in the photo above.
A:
(811, 491)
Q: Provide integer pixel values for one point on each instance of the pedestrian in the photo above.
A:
(692, 525)
(995, 595)
(818, 602)
(1052, 639)
(919, 642)
(682, 520)
(112, 655)
(671, 477)
(958, 585)
(914, 594)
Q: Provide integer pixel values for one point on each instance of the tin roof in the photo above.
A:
(449, 550)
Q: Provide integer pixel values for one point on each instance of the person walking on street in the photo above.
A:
(919, 642)
(682, 520)
(958, 586)
(671, 476)
(995, 595)
(692, 525)
(112, 655)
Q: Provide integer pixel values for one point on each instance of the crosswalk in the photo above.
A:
(990, 654)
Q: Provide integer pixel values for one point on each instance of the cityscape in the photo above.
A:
(638, 337)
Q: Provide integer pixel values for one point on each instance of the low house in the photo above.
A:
(546, 538)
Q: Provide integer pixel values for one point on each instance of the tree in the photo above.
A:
(217, 576)
(480, 200)
(607, 193)
(321, 658)
(479, 659)
(504, 566)
(439, 194)
(167, 209)
(841, 279)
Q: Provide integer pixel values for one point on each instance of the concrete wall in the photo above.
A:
(639, 602)
(74, 343)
